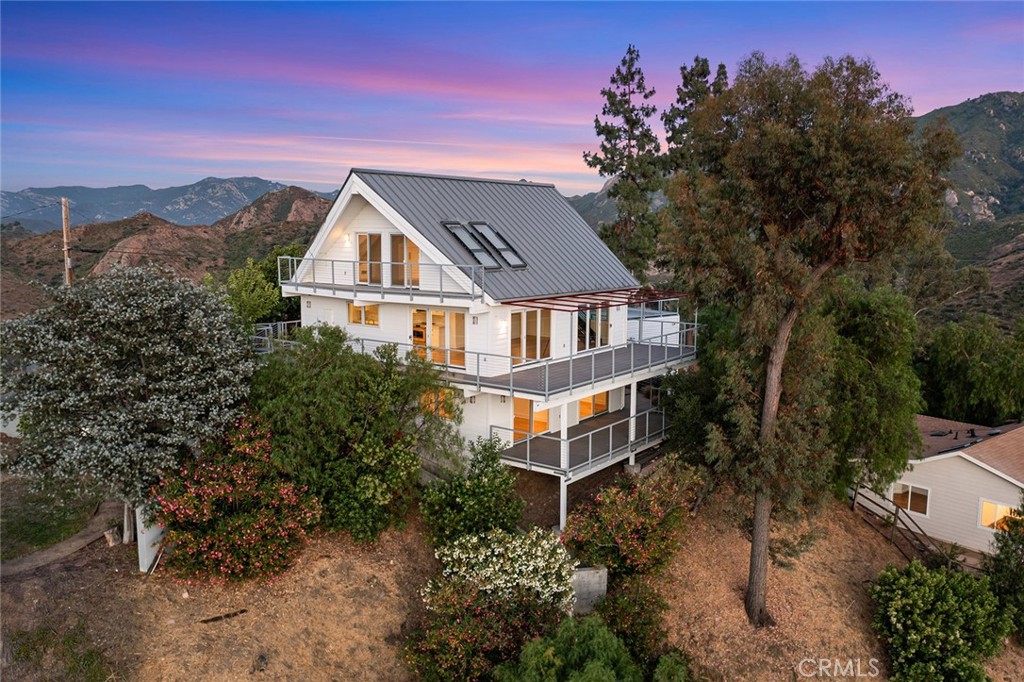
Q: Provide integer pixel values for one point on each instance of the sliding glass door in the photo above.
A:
(440, 336)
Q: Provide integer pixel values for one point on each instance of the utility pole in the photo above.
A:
(64, 210)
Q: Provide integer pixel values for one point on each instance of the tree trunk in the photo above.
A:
(757, 578)
(129, 524)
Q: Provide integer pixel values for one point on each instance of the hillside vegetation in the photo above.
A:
(31, 263)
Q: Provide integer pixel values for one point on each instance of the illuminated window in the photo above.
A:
(364, 314)
(910, 497)
(369, 258)
(993, 514)
(405, 262)
(592, 405)
(441, 402)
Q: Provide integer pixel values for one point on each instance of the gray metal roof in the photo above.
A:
(562, 253)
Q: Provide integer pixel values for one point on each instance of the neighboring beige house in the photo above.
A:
(547, 339)
(967, 480)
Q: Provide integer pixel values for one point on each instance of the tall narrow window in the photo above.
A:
(593, 328)
(405, 262)
(369, 258)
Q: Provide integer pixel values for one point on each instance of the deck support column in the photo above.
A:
(632, 422)
(563, 501)
(563, 435)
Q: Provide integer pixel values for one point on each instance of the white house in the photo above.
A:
(545, 335)
(967, 480)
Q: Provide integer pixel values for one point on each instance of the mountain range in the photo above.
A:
(201, 203)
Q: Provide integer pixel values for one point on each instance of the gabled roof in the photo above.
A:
(1000, 449)
(562, 253)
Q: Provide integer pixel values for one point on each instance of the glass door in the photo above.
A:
(526, 420)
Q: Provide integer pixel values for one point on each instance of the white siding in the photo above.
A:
(956, 488)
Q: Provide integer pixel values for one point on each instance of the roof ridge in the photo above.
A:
(521, 183)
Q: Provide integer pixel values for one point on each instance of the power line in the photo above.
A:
(29, 210)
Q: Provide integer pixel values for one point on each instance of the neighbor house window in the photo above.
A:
(910, 497)
(369, 258)
(440, 402)
(993, 514)
(364, 314)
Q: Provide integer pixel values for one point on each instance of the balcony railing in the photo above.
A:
(592, 444)
(550, 376)
(388, 279)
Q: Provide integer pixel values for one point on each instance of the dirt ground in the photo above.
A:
(344, 611)
(820, 604)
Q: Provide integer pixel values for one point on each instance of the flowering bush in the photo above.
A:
(468, 631)
(504, 564)
(937, 624)
(475, 501)
(634, 611)
(230, 512)
(631, 527)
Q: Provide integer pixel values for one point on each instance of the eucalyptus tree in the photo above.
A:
(791, 177)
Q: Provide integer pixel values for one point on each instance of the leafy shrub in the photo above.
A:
(352, 426)
(671, 667)
(231, 513)
(634, 611)
(1005, 567)
(504, 564)
(469, 631)
(581, 650)
(475, 501)
(631, 527)
(937, 625)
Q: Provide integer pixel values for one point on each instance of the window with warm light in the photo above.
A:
(369, 258)
(364, 314)
(910, 497)
(993, 514)
(405, 262)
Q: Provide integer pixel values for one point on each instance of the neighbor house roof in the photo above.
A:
(561, 252)
(1000, 449)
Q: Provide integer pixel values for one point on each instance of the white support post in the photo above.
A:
(563, 434)
(563, 501)
(632, 420)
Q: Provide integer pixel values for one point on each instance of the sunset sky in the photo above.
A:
(103, 94)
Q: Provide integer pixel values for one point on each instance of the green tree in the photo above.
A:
(694, 88)
(629, 152)
(121, 377)
(286, 308)
(1005, 566)
(875, 395)
(352, 426)
(250, 294)
(580, 650)
(794, 177)
(974, 372)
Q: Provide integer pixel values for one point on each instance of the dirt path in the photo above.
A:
(93, 531)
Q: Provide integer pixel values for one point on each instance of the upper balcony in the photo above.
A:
(383, 280)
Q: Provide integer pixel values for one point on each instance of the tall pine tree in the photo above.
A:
(629, 153)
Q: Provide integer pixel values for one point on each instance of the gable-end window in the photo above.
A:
(472, 244)
(369, 258)
(993, 514)
(364, 314)
(405, 262)
(910, 497)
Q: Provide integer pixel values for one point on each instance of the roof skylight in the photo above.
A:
(472, 244)
(499, 244)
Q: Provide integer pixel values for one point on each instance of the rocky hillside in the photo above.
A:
(31, 263)
(201, 203)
